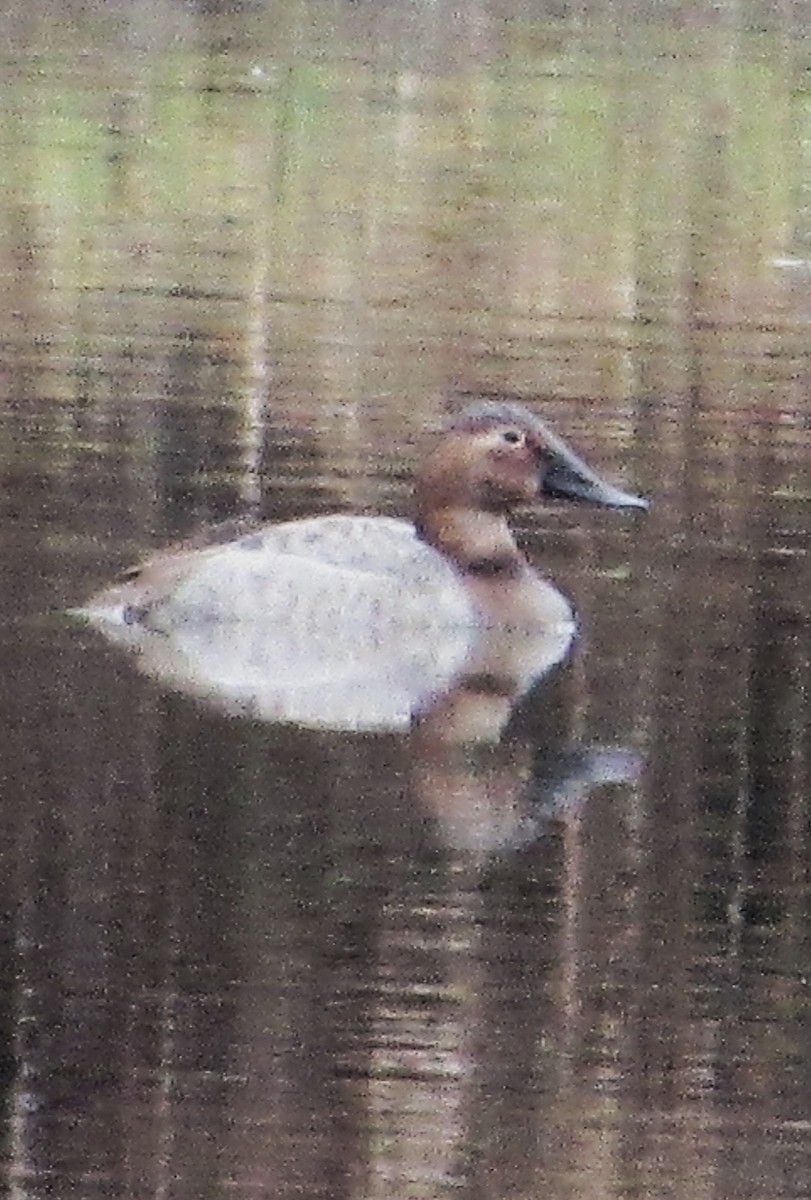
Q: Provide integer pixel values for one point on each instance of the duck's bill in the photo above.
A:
(567, 477)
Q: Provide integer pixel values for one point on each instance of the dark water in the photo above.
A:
(246, 257)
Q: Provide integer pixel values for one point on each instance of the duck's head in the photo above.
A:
(493, 456)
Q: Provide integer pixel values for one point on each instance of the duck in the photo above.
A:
(455, 564)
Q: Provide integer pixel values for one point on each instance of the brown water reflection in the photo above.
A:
(245, 257)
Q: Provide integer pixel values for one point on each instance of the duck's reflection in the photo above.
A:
(453, 700)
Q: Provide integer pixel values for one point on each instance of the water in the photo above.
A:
(247, 256)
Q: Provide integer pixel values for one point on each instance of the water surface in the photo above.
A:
(247, 256)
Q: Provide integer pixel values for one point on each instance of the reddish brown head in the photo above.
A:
(492, 457)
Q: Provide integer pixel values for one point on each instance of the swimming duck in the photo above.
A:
(456, 564)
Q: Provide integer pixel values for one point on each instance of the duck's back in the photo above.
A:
(376, 545)
(316, 573)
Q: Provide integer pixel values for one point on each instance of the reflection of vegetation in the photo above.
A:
(585, 152)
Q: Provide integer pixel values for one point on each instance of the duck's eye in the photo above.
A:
(512, 436)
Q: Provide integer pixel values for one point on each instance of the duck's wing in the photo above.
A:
(317, 574)
(376, 545)
(349, 577)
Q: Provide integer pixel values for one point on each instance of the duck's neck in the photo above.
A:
(477, 542)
